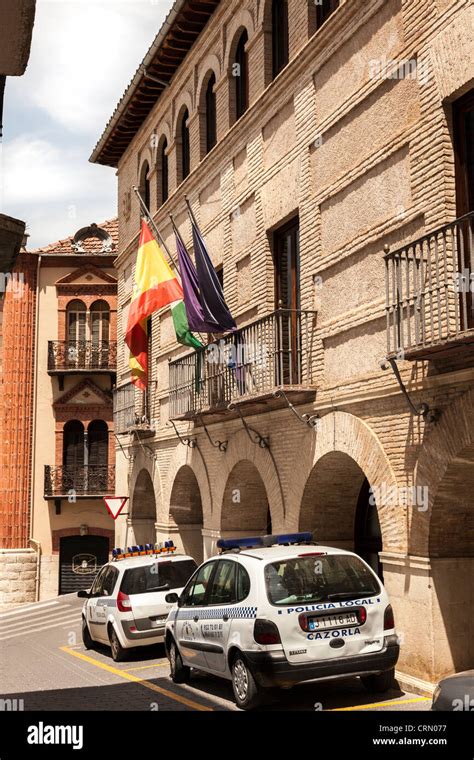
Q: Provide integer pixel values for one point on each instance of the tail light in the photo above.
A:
(266, 632)
(388, 619)
(123, 602)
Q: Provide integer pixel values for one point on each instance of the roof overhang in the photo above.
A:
(182, 27)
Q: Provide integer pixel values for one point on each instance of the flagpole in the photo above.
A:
(155, 228)
(191, 213)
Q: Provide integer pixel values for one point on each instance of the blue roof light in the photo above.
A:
(239, 543)
(288, 538)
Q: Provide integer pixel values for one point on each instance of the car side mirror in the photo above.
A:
(172, 599)
(83, 594)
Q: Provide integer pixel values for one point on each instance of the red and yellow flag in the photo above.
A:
(155, 287)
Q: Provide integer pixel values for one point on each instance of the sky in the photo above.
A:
(83, 55)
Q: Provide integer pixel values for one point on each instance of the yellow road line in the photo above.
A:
(146, 667)
(381, 704)
(136, 679)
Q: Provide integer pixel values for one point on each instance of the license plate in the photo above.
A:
(158, 619)
(339, 620)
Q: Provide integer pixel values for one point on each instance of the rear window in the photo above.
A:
(161, 576)
(319, 579)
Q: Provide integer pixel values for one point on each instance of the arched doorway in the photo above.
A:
(186, 512)
(367, 532)
(245, 506)
(143, 512)
(340, 510)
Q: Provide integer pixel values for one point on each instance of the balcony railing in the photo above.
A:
(65, 356)
(276, 352)
(430, 285)
(126, 416)
(81, 482)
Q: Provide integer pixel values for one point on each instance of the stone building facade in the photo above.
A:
(338, 153)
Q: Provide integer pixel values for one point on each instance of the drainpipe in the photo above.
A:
(33, 433)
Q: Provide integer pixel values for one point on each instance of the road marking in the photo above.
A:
(381, 704)
(47, 617)
(9, 636)
(147, 667)
(27, 607)
(136, 679)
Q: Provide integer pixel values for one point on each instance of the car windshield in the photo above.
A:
(161, 576)
(319, 579)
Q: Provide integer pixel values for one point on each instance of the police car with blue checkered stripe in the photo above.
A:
(279, 610)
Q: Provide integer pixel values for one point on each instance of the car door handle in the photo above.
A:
(196, 619)
(225, 618)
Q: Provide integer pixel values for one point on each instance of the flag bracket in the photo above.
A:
(256, 438)
(420, 410)
(308, 419)
(221, 445)
(191, 443)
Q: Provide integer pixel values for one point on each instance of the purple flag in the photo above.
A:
(189, 279)
(212, 300)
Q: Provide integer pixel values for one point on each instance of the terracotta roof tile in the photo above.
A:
(90, 245)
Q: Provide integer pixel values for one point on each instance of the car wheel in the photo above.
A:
(119, 654)
(179, 673)
(380, 683)
(246, 692)
(86, 637)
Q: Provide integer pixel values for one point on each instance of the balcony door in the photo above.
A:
(73, 456)
(97, 450)
(286, 251)
(99, 326)
(76, 333)
(463, 112)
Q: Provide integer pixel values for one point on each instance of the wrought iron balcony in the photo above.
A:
(80, 482)
(126, 417)
(65, 356)
(274, 353)
(430, 288)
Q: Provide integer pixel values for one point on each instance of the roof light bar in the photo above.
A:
(284, 539)
(288, 539)
(239, 543)
(149, 550)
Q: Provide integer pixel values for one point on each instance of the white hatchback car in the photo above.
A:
(126, 607)
(279, 610)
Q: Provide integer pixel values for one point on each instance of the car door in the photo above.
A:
(105, 601)
(190, 616)
(221, 601)
(94, 619)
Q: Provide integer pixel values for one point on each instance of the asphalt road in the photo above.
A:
(44, 665)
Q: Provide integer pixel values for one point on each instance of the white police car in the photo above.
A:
(278, 610)
(126, 607)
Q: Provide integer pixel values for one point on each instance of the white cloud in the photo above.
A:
(84, 54)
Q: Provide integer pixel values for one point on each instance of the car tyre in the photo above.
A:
(246, 691)
(179, 673)
(86, 636)
(119, 654)
(380, 683)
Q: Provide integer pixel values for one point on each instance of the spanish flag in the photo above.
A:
(155, 287)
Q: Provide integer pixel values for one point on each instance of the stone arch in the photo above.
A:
(191, 458)
(347, 441)
(245, 505)
(185, 101)
(445, 532)
(143, 509)
(186, 512)
(243, 20)
(445, 470)
(241, 448)
(211, 63)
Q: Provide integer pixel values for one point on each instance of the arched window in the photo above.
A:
(163, 171)
(279, 36)
(145, 184)
(325, 9)
(211, 114)
(99, 323)
(73, 445)
(241, 74)
(98, 440)
(185, 150)
(76, 321)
